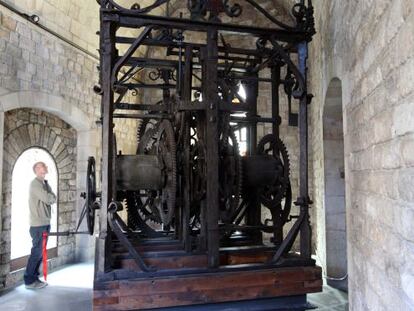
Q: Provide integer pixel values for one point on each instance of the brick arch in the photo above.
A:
(28, 136)
(27, 128)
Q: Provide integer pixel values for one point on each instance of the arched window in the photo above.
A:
(22, 175)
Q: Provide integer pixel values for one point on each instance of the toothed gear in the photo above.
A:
(141, 210)
(166, 149)
(157, 137)
(272, 195)
(146, 135)
(230, 172)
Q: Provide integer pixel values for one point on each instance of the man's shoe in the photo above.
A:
(43, 282)
(36, 285)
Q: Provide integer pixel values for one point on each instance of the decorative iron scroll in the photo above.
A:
(136, 7)
(300, 86)
(199, 9)
(161, 73)
(232, 11)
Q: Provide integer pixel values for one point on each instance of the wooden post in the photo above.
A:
(212, 121)
(108, 52)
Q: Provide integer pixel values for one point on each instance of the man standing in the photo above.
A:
(41, 197)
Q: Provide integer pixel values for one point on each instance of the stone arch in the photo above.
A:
(87, 137)
(334, 181)
(26, 128)
(53, 104)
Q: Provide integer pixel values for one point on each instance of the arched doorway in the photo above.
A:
(335, 213)
(22, 175)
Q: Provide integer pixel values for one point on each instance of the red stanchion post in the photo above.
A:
(44, 255)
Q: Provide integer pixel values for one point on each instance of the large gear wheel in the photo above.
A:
(157, 207)
(166, 149)
(230, 171)
(139, 217)
(91, 195)
(272, 195)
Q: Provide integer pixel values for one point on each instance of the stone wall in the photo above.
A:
(74, 20)
(71, 19)
(369, 47)
(38, 70)
(33, 60)
(25, 128)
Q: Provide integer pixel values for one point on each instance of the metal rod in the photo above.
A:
(112, 208)
(186, 96)
(305, 233)
(253, 119)
(140, 116)
(148, 86)
(31, 19)
(145, 107)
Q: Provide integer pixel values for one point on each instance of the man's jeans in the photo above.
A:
(33, 264)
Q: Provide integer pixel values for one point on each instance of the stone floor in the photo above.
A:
(330, 299)
(70, 289)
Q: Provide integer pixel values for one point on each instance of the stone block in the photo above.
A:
(403, 116)
(14, 38)
(387, 155)
(394, 19)
(9, 23)
(383, 124)
(4, 69)
(24, 134)
(38, 134)
(6, 225)
(24, 75)
(2, 43)
(406, 74)
(24, 30)
(27, 44)
(4, 267)
(404, 39)
(13, 51)
(405, 184)
(407, 150)
(404, 215)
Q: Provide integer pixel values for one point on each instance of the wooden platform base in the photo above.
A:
(206, 288)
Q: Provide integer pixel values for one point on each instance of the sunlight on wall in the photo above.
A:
(21, 241)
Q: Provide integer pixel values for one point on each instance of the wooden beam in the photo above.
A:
(208, 288)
